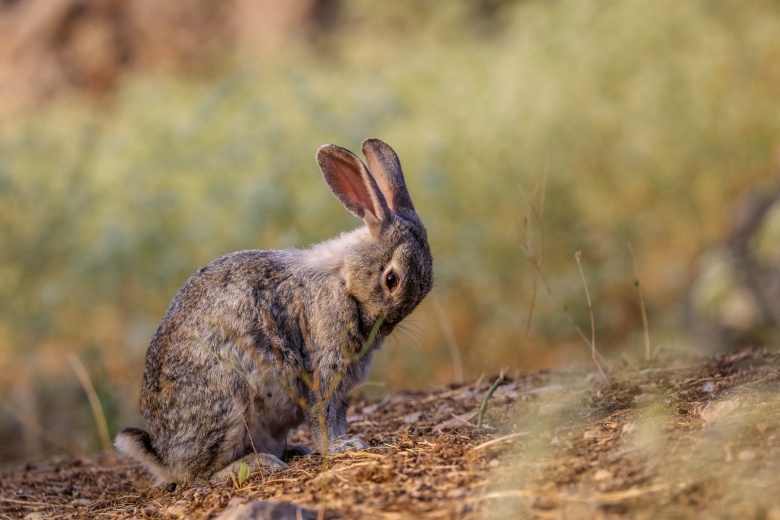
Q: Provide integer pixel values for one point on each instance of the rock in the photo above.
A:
(719, 409)
(412, 418)
(259, 510)
(177, 510)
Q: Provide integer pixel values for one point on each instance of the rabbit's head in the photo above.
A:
(387, 266)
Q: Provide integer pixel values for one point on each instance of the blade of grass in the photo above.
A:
(592, 319)
(94, 403)
(482, 409)
(449, 336)
(641, 303)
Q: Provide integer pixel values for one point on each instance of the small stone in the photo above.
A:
(177, 510)
(236, 502)
(718, 410)
(370, 409)
(412, 417)
(259, 510)
(602, 474)
(594, 433)
(457, 493)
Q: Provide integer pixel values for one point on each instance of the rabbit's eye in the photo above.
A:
(391, 279)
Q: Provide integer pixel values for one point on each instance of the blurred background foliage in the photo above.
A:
(127, 161)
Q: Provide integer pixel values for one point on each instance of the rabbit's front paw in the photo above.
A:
(343, 444)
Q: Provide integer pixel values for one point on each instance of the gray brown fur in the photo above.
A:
(261, 341)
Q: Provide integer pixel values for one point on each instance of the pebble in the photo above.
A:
(412, 417)
(259, 510)
(177, 510)
(715, 411)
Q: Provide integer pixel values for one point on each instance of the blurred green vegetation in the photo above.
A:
(647, 119)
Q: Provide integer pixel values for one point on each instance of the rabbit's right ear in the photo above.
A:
(353, 185)
(386, 169)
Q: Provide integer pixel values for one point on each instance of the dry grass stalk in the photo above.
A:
(536, 261)
(449, 336)
(593, 351)
(94, 403)
(641, 304)
(501, 440)
(530, 252)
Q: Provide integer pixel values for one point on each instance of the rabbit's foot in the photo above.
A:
(343, 444)
(296, 450)
(255, 461)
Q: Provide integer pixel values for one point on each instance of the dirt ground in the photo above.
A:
(667, 439)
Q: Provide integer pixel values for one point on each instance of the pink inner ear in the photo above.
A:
(351, 184)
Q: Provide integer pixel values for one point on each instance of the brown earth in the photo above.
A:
(672, 439)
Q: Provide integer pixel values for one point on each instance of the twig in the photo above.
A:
(525, 495)
(536, 262)
(463, 419)
(94, 403)
(530, 252)
(482, 409)
(31, 503)
(499, 440)
(641, 304)
(592, 320)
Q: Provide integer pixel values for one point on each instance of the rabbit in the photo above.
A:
(258, 342)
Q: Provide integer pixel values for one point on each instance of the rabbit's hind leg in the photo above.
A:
(296, 450)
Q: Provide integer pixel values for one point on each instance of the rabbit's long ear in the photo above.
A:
(386, 169)
(353, 185)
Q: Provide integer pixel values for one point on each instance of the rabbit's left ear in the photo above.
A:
(354, 186)
(386, 170)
